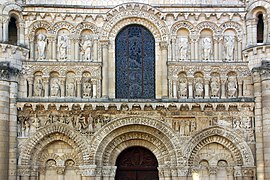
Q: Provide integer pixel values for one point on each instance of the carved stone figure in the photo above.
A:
(198, 87)
(215, 87)
(183, 48)
(41, 46)
(87, 48)
(232, 86)
(55, 87)
(207, 48)
(62, 47)
(38, 87)
(229, 47)
(87, 88)
(182, 88)
(70, 88)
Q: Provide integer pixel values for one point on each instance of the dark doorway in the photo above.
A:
(135, 63)
(136, 163)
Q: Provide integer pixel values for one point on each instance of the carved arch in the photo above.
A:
(11, 7)
(135, 13)
(181, 24)
(207, 25)
(49, 134)
(142, 124)
(39, 24)
(86, 25)
(63, 24)
(264, 5)
(232, 25)
(109, 150)
(240, 150)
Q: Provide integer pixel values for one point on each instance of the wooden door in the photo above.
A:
(136, 163)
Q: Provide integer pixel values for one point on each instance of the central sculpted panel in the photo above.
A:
(135, 63)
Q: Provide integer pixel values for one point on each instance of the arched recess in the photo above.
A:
(54, 132)
(239, 149)
(109, 141)
(139, 14)
(253, 11)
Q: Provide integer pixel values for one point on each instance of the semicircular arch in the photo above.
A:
(135, 13)
(207, 25)
(181, 24)
(115, 127)
(50, 134)
(264, 5)
(228, 139)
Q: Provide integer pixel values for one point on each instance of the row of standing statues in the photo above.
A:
(206, 44)
(63, 47)
(183, 47)
(70, 87)
(214, 87)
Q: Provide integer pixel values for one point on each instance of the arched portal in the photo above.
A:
(136, 163)
(135, 63)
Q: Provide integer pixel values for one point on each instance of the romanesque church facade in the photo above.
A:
(135, 90)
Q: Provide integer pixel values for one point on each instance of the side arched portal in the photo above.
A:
(135, 63)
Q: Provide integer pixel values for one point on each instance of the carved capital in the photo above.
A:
(212, 170)
(88, 170)
(163, 45)
(60, 170)
(104, 43)
(248, 171)
(6, 71)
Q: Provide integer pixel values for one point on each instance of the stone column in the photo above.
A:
(216, 50)
(49, 49)
(190, 87)
(192, 56)
(5, 28)
(258, 123)
(105, 68)
(239, 50)
(223, 87)
(174, 54)
(79, 87)
(94, 83)
(5, 92)
(265, 81)
(21, 29)
(95, 49)
(1, 28)
(46, 86)
(230, 172)
(167, 173)
(164, 60)
(77, 49)
(183, 173)
(32, 49)
(251, 37)
(240, 87)
(30, 86)
(62, 87)
(206, 87)
(60, 172)
(194, 47)
(174, 89)
(54, 47)
(174, 173)
(220, 48)
(212, 173)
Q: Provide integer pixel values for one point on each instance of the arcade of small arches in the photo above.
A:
(59, 152)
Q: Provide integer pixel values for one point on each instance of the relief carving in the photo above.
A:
(229, 47)
(182, 46)
(62, 47)
(41, 46)
(207, 48)
(87, 48)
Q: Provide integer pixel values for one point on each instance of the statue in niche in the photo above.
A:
(62, 47)
(55, 87)
(87, 88)
(206, 48)
(215, 87)
(198, 87)
(41, 46)
(183, 48)
(232, 86)
(70, 88)
(38, 87)
(229, 47)
(87, 48)
(182, 88)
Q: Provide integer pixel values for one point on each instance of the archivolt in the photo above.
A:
(50, 134)
(143, 125)
(135, 13)
(240, 150)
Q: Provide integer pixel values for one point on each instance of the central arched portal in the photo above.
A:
(136, 163)
(135, 63)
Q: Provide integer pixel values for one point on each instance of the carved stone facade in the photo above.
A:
(60, 116)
